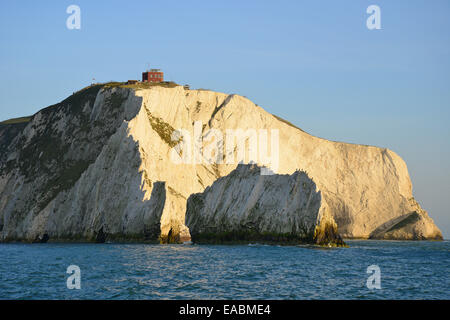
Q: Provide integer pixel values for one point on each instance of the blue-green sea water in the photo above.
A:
(408, 270)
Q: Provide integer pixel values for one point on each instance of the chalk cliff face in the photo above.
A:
(248, 206)
(99, 166)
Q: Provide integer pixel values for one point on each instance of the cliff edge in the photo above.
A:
(100, 166)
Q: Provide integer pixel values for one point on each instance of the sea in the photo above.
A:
(364, 270)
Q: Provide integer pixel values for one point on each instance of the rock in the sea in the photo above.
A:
(98, 166)
(41, 238)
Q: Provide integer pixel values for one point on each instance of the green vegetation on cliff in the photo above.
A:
(16, 121)
(163, 129)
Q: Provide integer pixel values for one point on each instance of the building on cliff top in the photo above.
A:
(153, 75)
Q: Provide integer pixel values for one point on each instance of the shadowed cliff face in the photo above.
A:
(98, 167)
(62, 174)
(246, 206)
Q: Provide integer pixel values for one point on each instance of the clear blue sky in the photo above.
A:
(312, 62)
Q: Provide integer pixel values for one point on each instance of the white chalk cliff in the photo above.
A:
(99, 167)
(247, 206)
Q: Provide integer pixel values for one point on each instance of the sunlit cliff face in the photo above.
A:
(99, 166)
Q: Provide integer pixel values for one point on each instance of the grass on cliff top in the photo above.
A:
(16, 120)
(141, 85)
(79, 97)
